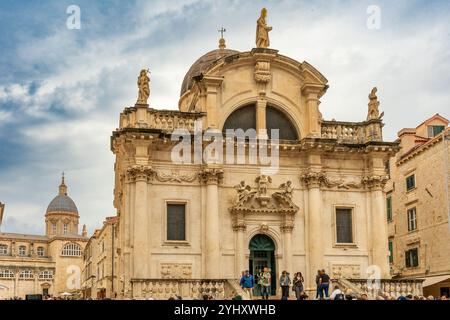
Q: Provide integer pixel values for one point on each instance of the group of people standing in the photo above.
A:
(264, 282)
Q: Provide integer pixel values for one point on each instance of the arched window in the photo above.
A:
(22, 251)
(40, 251)
(26, 274)
(46, 275)
(3, 249)
(245, 118)
(6, 274)
(71, 250)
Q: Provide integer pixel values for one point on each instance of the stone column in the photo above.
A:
(313, 181)
(212, 178)
(378, 227)
(261, 128)
(239, 228)
(287, 252)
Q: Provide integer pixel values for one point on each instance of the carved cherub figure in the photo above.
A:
(286, 192)
(263, 182)
(244, 193)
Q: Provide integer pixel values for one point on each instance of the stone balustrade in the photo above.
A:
(388, 287)
(166, 120)
(163, 289)
(352, 132)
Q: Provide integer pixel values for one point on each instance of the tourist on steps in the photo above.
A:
(247, 284)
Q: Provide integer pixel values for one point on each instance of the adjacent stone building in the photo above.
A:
(47, 264)
(192, 227)
(100, 279)
(418, 206)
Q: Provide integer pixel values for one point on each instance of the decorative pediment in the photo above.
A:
(258, 200)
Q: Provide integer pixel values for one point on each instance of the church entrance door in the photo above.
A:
(262, 254)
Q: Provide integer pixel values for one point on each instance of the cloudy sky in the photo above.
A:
(61, 90)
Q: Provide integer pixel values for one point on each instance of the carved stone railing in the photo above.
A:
(387, 287)
(166, 120)
(163, 289)
(352, 132)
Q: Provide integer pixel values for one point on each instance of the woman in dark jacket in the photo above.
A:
(298, 285)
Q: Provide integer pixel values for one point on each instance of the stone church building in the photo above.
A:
(194, 227)
(47, 265)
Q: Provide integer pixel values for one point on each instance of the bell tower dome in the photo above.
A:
(61, 218)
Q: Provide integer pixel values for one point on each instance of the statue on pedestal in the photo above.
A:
(373, 112)
(262, 31)
(144, 87)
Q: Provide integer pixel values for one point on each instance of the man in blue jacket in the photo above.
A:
(247, 283)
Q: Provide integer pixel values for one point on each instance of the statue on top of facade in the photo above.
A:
(262, 31)
(144, 87)
(373, 112)
(263, 182)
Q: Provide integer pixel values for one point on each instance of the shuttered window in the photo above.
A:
(344, 228)
(176, 222)
(389, 207)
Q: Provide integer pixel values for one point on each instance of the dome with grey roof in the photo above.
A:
(202, 64)
(62, 202)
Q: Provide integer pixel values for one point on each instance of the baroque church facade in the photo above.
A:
(199, 225)
(49, 264)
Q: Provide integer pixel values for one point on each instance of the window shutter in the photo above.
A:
(344, 232)
(176, 222)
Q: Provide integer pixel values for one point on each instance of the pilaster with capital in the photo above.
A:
(239, 228)
(140, 176)
(312, 94)
(212, 177)
(313, 181)
(375, 184)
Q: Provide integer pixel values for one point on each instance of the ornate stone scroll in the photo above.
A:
(176, 270)
(174, 176)
(259, 201)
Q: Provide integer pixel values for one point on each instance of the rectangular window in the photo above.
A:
(389, 207)
(53, 228)
(412, 258)
(65, 228)
(344, 227)
(433, 131)
(410, 182)
(412, 219)
(22, 251)
(391, 251)
(3, 249)
(176, 222)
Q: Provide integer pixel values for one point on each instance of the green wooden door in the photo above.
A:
(262, 254)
